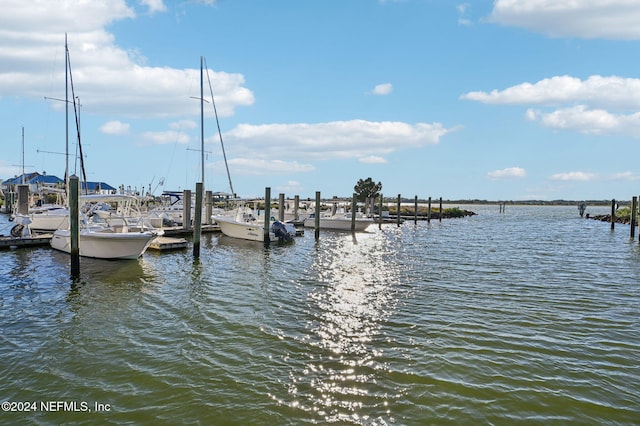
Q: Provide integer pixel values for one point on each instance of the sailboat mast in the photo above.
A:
(23, 177)
(201, 121)
(215, 111)
(66, 103)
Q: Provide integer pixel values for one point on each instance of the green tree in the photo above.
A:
(367, 188)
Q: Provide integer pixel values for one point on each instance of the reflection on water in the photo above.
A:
(529, 316)
(353, 295)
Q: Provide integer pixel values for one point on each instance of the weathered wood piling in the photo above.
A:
(197, 220)
(267, 214)
(74, 226)
(634, 212)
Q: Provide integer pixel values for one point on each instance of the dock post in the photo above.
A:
(316, 224)
(23, 199)
(186, 209)
(429, 211)
(415, 210)
(613, 213)
(296, 207)
(281, 207)
(197, 221)
(9, 199)
(353, 211)
(634, 209)
(398, 212)
(267, 214)
(380, 212)
(209, 207)
(74, 226)
(440, 209)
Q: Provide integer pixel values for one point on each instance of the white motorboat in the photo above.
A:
(115, 236)
(245, 225)
(105, 243)
(339, 222)
(46, 218)
(290, 214)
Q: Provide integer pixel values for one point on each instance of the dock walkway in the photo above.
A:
(8, 242)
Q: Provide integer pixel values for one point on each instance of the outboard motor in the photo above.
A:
(21, 229)
(283, 231)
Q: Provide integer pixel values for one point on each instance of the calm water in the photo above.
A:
(530, 317)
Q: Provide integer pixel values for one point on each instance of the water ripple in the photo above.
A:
(531, 316)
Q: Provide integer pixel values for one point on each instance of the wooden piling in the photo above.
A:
(296, 207)
(197, 225)
(429, 211)
(634, 209)
(186, 209)
(9, 200)
(398, 210)
(613, 213)
(415, 210)
(316, 224)
(281, 207)
(353, 211)
(74, 226)
(380, 212)
(23, 199)
(209, 207)
(440, 209)
(267, 214)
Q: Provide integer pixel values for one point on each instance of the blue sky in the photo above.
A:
(496, 100)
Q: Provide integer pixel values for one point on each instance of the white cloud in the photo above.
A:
(115, 128)
(588, 121)
(183, 125)
(154, 5)
(257, 167)
(167, 137)
(510, 172)
(8, 170)
(373, 159)
(627, 176)
(584, 104)
(383, 89)
(591, 177)
(574, 176)
(110, 79)
(462, 11)
(598, 91)
(609, 19)
(290, 187)
(332, 140)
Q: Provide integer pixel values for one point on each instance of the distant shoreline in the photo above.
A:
(435, 201)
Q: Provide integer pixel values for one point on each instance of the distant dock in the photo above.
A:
(7, 242)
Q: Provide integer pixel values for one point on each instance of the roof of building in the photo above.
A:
(36, 178)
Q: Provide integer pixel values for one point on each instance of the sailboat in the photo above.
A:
(102, 240)
(44, 217)
(241, 223)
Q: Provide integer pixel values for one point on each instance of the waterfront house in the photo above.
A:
(43, 183)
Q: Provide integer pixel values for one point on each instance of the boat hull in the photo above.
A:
(47, 221)
(338, 224)
(105, 245)
(246, 231)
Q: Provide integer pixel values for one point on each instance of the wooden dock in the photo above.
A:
(168, 243)
(32, 241)
(179, 230)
